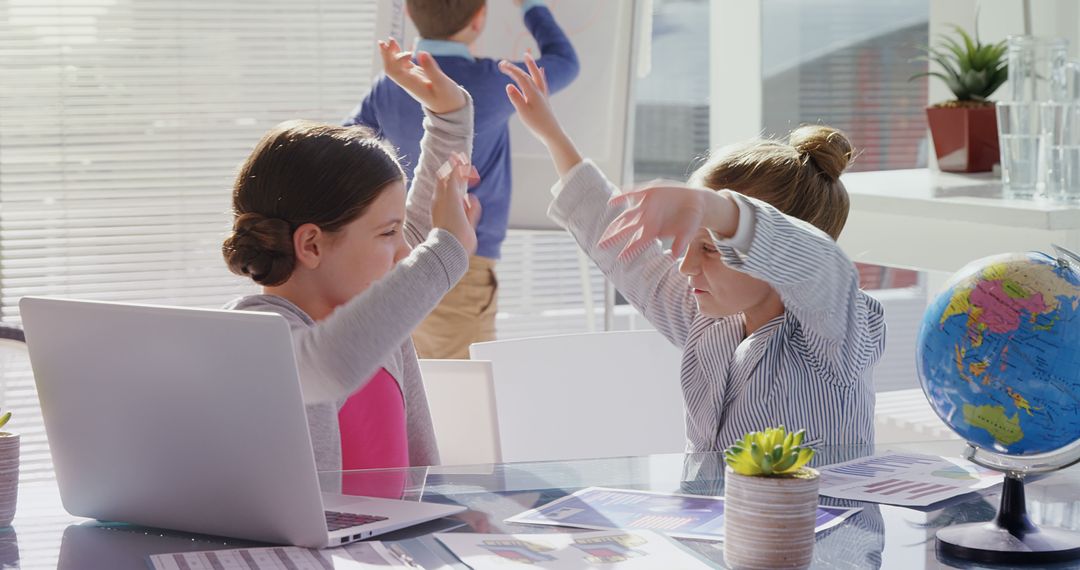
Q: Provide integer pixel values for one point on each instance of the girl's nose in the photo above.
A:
(689, 265)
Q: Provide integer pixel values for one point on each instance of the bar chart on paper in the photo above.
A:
(906, 479)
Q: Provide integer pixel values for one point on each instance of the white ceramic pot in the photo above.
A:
(769, 521)
(9, 476)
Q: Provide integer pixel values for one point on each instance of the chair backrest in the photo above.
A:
(586, 395)
(461, 395)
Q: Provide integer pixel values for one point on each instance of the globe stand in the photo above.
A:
(1011, 538)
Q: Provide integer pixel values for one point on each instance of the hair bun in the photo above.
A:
(260, 248)
(827, 147)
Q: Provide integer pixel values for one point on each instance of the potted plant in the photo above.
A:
(9, 472)
(964, 130)
(770, 501)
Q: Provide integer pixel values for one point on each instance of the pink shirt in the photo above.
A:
(373, 436)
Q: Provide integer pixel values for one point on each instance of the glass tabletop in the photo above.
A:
(879, 536)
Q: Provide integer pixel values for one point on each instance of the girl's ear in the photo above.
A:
(309, 243)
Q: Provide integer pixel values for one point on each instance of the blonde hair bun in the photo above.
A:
(827, 147)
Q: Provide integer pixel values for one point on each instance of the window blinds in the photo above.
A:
(122, 124)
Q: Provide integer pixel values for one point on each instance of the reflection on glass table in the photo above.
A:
(879, 536)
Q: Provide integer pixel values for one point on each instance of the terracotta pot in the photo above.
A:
(9, 476)
(769, 521)
(965, 139)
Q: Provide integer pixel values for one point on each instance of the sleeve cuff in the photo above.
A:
(558, 187)
(530, 4)
(454, 121)
(744, 232)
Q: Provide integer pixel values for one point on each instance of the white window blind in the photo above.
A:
(122, 124)
(546, 287)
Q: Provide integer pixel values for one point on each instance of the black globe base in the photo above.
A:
(1011, 538)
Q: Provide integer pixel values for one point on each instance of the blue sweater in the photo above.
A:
(398, 118)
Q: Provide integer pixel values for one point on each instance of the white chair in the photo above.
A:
(462, 400)
(586, 395)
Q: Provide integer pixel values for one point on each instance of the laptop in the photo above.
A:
(189, 419)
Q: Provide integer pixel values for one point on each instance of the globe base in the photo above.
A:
(1011, 538)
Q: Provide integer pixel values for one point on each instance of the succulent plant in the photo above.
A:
(972, 70)
(4, 419)
(773, 453)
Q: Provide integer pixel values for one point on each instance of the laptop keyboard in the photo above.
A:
(338, 521)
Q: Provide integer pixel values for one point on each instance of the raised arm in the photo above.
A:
(338, 355)
(819, 285)
(557, 55)
(650, 281)
(447, 140)
(843, 327)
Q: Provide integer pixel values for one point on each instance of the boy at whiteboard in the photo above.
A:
(448, 29)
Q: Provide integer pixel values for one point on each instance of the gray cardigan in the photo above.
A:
(338, 355)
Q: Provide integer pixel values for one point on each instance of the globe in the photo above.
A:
(999, 353)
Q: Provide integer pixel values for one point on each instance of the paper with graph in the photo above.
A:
(905, 479)
(356, 556)
(563, 551)
(696, 517)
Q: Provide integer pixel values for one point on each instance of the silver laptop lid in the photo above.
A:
(187, 419)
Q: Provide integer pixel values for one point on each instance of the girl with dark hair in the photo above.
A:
(323, 223)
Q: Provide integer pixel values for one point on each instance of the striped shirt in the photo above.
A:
(809, 368)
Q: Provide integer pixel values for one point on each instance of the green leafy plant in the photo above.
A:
(972, 70)
(772, 453)
(4, 419)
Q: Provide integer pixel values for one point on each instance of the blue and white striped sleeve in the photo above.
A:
(818, 284)
(651, 280)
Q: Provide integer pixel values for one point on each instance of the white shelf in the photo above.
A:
(926, 220)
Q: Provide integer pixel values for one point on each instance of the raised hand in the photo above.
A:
(424, 80)
(667, 209)
(530, 98)
(452, 209)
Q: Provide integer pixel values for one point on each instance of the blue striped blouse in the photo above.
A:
(809, 368)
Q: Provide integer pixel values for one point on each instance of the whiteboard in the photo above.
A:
(595, 109)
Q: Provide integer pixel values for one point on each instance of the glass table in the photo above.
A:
(880, 536)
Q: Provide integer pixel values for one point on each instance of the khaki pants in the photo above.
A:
(465, 315)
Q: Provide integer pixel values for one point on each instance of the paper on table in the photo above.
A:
(356, 556)
(620, 550)
(905, 479)
(683, 516)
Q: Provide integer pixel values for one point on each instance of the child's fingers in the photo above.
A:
(630, 197)
(634, 246)
(430, 66)
(515, 96)
(525, 83)
(535, 73)
(474, 210)
(678, 245)
(617, 230)
(393, 45)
